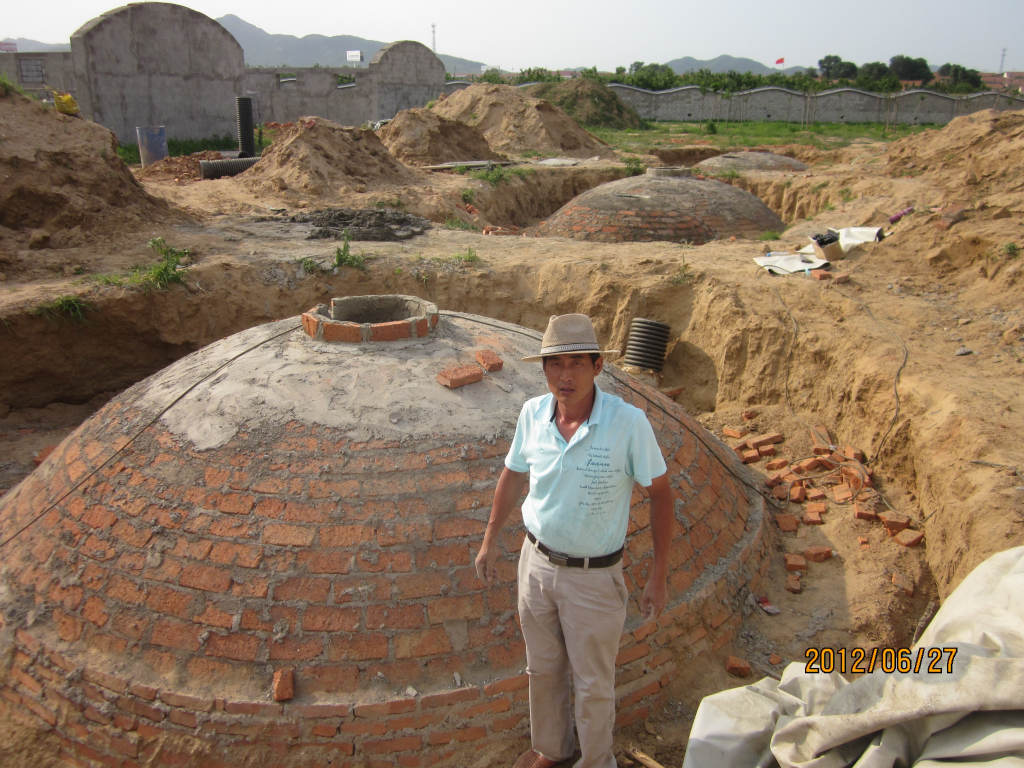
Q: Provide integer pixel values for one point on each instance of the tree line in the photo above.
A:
(832, 72)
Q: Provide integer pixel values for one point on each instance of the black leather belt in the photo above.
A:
(560, 558)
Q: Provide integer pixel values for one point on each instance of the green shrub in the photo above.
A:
(1011, 250)
(467, 195)
(64, 307)
(454, 222)
(634, 166)
(343, 256)
(469, 257)
(493, 175)
(771, 234)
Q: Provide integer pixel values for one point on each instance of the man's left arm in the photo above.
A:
(655, 594)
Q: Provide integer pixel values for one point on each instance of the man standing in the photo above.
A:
(580, 450)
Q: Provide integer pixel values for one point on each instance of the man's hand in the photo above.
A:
(487, 564)
(653, 599)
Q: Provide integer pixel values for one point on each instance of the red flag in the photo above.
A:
(780, 61)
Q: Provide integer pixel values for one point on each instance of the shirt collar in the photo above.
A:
(595, 412)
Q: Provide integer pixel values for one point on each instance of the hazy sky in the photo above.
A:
(571, 33)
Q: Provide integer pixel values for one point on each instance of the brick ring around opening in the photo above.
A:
(355, 319)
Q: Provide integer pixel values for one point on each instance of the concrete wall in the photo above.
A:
(841, 105)
(32, 71)
(402, 75)
(158, 64)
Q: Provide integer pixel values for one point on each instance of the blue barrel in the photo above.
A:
(152, 143)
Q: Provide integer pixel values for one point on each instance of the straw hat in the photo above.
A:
(569, 335)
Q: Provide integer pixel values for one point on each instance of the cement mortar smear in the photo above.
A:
(274, 503)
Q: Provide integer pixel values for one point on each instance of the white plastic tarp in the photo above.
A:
(782, 263)
(969, 713)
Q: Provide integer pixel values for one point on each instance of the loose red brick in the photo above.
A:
(894, 522)
(807, 465)
(460, 376)
(841, 277)
(489, 359)
(734, 665)
(766, 450)
(842, 493)
(773, 481)
(853, 453)
(793, 584)
(775, 464)
(781, 492)
(818, 554)
(903, 583)
(817, 506)
(864, 512)
(284, 684)
(786, 522)
(811, 517)
(821, 274)
(797, 493)
(815, 494)
(774, 659)
(795, 562)
(735, 433)
(909, 537)
(751, 456)
(769, 438)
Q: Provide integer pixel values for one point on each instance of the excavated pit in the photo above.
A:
(270, 543)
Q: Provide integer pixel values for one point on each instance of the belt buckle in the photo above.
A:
(558, 558)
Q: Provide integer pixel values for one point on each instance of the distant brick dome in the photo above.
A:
(749, 161)
(263, 553)
(663, 204)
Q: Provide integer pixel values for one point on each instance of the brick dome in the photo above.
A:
(663, 204)
(749, 161)
(263, 554)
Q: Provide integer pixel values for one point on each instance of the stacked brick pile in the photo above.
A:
(302, 596)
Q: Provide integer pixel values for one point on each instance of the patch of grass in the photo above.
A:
(343, 256)
(454, 222)
(107, 279)
(469, 257)
(65, 307)
(728, 174)
(845, 194)
(164, 272)
(711, 127)
(493, 175)
(1011, 250)
(395, 205)
(7, 87)
(467, 195)
(682, 276)
(819, 187)
(736, 135)
(129, 153)
(310, 265)
(634, 167)
(771, 234)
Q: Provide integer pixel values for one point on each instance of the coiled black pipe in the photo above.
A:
(214, 169)
(646, 344)
(246, 142)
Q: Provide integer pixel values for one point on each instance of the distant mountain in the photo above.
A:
(263, 49)
(722, 64)
(34, 46)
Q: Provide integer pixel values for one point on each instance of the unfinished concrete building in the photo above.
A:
(263, 553)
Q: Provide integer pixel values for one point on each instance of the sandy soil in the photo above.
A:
(916, 359)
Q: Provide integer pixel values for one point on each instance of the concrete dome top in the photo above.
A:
(282, 527)
(669, 205)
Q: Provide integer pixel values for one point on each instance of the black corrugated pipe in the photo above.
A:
(246, 142)
(645, 347)
(214, 169)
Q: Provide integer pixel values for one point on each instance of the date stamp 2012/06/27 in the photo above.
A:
(931, 660)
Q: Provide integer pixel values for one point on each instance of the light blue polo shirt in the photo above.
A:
(580, 491)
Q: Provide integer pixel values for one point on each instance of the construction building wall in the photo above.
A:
(842, 105)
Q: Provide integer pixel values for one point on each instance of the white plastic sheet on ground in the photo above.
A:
(782, 263)
(973, 716)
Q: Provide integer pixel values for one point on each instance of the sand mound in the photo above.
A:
(750, 161)
(984, 149)
(588, 102)
(516, 123)
(184, 168)
(321, 158)
(421, 137)
(63, 183)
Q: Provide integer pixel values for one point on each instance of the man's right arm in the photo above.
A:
(511, 486)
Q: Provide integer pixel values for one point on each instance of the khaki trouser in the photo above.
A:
(572, 620)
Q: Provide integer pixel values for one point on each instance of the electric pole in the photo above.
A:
(1002, 61)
